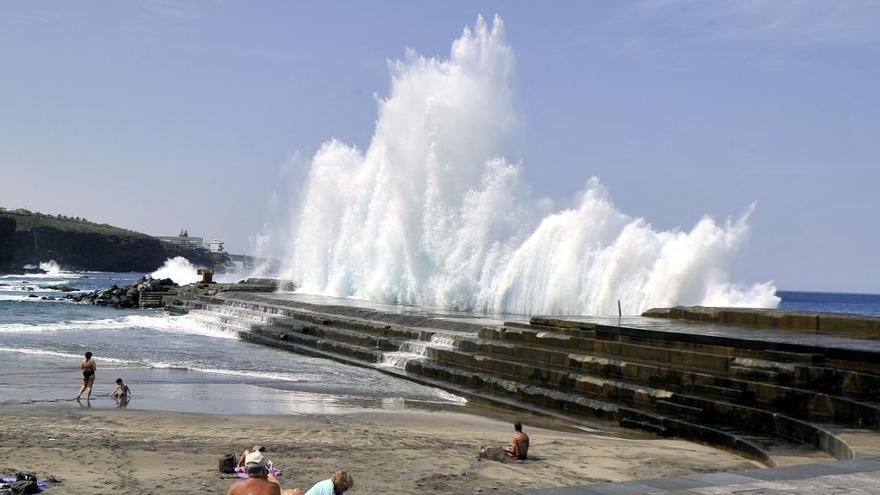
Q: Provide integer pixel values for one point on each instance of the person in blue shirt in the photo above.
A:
(338, 484)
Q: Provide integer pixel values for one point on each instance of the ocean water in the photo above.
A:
(171, 362)
(180, 363)
(832, 302)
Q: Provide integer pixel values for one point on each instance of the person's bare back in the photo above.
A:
(254, 486)
(519, 446)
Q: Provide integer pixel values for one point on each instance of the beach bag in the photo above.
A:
(25, 487)
(227, 463)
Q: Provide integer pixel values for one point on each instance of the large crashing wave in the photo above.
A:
(434, 214)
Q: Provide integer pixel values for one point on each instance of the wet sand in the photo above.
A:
(105, 451)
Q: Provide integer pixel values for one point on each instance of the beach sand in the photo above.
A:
(103, 451)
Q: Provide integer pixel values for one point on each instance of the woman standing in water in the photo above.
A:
(88, 369)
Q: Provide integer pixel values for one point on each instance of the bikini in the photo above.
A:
(88, 372)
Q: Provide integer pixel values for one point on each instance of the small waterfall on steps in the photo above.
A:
(415, 349)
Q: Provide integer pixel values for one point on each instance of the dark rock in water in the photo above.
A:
(124, 297)
(33, 295)
(61, 287)
(31, 271)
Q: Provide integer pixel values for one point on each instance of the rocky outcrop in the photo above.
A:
(124, 297)
(7, 228)
(75, 244)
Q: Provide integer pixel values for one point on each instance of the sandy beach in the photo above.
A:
(106, 451)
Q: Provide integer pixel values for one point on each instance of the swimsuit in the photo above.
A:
(88, 372)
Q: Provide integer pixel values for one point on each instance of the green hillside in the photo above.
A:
(28, 220)
(28, 238)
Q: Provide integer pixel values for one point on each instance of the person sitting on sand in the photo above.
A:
(338, 484)
(260, 480)
(519, 447)
(122, 390)
(88, 369)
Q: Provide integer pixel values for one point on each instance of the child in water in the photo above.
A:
(122, 390)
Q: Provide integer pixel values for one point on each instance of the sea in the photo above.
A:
(175, 363)
(180, 363)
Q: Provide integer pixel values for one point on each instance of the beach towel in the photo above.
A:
(10, 481)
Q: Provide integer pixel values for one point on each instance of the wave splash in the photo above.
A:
(51, 267)
(434, 214)
(178, 269)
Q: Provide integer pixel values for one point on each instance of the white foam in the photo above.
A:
(42, 352)
(435, 212)
(25, 287)
(265, 375)
(51, 267)
(25, 298)
(449, 397)
(397, 359)
(178, 269)
(175, 324)
(60, 276)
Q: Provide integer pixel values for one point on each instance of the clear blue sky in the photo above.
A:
(161, 115)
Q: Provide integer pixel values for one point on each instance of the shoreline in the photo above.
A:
(104, 451)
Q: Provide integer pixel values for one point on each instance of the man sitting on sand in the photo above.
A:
(260, 481)
(519, 447)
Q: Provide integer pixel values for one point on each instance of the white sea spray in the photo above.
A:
(436, 213)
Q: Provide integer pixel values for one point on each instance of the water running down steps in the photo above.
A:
(416, 349)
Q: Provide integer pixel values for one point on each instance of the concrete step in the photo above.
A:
(759, 374)
(725, 393)
(779, 398)
(679, 409)
(567, 369)
(298, 341)
(556, 341)
(655, 428)
(643, 397)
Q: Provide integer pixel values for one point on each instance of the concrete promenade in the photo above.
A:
(853, 477)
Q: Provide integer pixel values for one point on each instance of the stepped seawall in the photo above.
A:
(770, 394)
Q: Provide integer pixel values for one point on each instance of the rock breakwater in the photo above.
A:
(124, 297)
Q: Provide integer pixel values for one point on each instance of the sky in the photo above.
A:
(160, 115)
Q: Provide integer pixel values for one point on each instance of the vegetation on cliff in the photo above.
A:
(75, 243)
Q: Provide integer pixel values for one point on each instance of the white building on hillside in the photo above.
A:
(215, 246)
(184, 240)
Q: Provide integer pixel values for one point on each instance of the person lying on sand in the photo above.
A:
(260, 480)
(519, 447)
(255, 448)
(338, 484)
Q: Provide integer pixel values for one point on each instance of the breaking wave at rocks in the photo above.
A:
(435, 212)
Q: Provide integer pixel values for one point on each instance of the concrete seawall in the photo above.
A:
(843, 325)
(779, 397)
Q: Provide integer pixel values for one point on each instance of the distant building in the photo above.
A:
(184, 240)
(215, 246)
